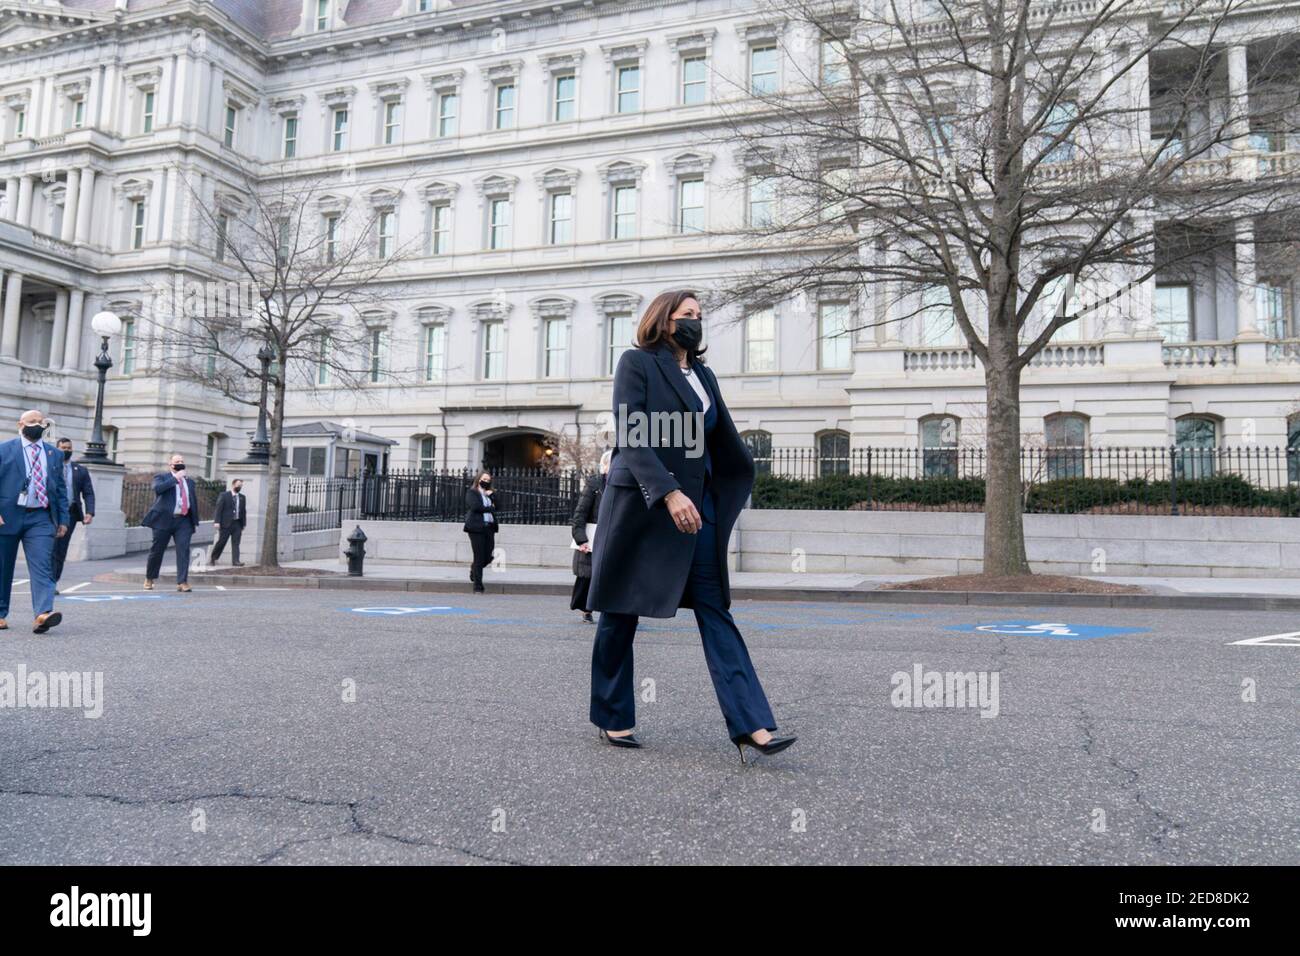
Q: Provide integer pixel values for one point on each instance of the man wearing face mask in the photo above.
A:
(229, 522)
(33, 513)
(81, 504)
(173, 517)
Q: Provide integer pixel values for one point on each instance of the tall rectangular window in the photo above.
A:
(494, 354)
(20, 123)
(555, 348)
(322, 14)
(448, 104)
(619, 339)
(690, 205)
(377, 346)
(331, 237)
(938, 319)
(624, 212)
(387, 224)
(505, 106)
(137, 224)
(695, 75)
(566, 93)
(232, 125)
(762, 69)
(760, 340)
(340, 138)
(1275, 308)
(1058, 123)
(435, 352)
(290, 136)
(499, 227)
(1173, 312)
(78, 113)
(629, 89)
(128, 347)
(392, 122)
(762, 201)
(835, 65)
(833, 333)
(210, 457)
(223, 230)
(561, 218)
(440, 229)
(323, 360)
(427, 461)
(146, 116)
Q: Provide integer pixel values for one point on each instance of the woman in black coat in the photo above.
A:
(670, 503)
(481, 523)
(585, 514)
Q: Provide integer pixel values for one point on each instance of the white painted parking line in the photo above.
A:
(23, 581)
(1291, 639)
(76, 587)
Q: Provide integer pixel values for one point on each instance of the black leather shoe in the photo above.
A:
(773, 746)
(627, 740)
(588, 619)
(236, 564)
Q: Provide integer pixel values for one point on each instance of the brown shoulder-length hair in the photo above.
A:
(652, 330)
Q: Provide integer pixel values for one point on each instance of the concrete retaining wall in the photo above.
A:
(895, 542)
(317, 545)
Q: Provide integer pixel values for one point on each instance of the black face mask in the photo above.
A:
(178, 467)
(33, 432)
(485, 484)
(238, 489)
(689, 334)
(67, 454)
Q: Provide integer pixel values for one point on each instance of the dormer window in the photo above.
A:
(323, 14)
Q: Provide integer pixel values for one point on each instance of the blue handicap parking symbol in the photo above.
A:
(398, 611)
(106, 598)
(1055, 631)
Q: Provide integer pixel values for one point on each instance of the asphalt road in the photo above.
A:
(226, 737)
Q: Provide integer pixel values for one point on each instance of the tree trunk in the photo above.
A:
(275, 468)
(1004, 525)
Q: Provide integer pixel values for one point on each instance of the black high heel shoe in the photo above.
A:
(627, 740)
(773, 746)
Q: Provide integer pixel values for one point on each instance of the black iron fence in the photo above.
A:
(1249, 480)
(524, 495)
(138, 497)
(319, 504)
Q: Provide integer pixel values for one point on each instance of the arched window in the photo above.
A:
(1067, 438)
(760, 446)
(939, 435)
(1196, 438)
(1293, 448)
(833, 453)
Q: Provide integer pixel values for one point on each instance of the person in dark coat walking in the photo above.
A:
(81, 504)
(670, 503)
(174, 516)
(229, 522)
(481, 523)
(583, 515)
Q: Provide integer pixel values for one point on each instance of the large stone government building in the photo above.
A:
(557, 163)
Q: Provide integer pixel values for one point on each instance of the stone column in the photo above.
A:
(255, 494)
(9, 329)
(25, 187)
(85, 206)
(72, 342)
(71, 195)
(60, 336)
(1252, 344)
(11, 198)
(105, 537)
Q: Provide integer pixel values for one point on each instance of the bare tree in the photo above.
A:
(303, 270)
(1013, 166)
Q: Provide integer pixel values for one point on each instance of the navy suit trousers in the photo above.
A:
(740, 695)
(180, 529)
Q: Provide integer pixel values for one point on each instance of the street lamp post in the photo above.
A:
(106, 325)
(259, 449)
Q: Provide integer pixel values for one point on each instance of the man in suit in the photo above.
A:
(173, 517)
(229, 521)
(33, 513)
(81, 504)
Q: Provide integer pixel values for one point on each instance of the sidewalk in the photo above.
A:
(1235, 593)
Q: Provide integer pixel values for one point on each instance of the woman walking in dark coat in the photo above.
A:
(583, 515)
(669, 505)
(481, 523)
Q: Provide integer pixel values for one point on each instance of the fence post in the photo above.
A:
(871, 505)
(1173, 479)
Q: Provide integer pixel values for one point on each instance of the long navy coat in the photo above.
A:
(641, 562)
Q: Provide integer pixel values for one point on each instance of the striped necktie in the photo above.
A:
(38, 477)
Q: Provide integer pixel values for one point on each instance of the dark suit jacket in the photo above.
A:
(83, 493)
(641, 561)
(164, 486)
(13, 476)
(225, 515)
(584, 514)
(474, 516)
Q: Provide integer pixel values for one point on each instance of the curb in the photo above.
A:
(342, 582)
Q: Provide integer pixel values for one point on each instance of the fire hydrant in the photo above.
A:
(356, 551)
